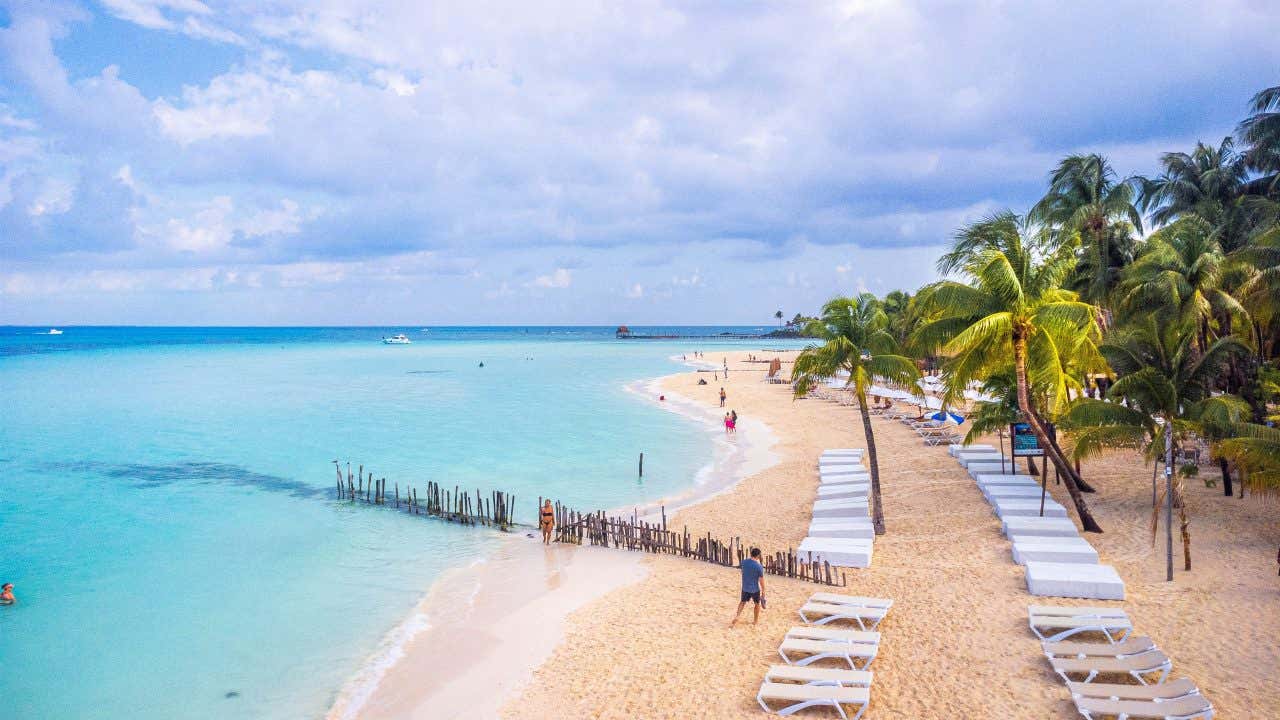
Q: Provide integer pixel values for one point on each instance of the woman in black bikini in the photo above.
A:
(547, 521)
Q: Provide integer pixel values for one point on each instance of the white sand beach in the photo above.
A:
(587, 632)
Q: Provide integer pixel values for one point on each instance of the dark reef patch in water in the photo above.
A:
(203, 473)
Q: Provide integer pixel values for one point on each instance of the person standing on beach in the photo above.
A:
(752, 587)
(733, 421)
(547, 521)
(722, 397)
(728, 424)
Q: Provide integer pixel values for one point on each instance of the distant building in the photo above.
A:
(622, 332)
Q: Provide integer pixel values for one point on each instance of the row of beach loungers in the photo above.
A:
(1119, 654)
(840, 532)
(1058, 561)
(798, 684)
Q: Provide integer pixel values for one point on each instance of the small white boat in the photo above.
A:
(400, 339)
(54, 331)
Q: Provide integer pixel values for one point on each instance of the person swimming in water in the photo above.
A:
(6, 594)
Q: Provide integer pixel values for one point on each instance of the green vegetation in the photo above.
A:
(1181, 325)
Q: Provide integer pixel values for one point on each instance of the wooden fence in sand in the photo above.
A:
(459, 505)
(635, 534)
(497, 510)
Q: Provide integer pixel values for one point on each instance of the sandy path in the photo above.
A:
(956, 642)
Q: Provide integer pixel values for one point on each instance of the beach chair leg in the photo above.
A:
(785, 659)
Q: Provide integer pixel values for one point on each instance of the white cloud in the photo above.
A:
(635, 291)
(561, 278)
(149, 13)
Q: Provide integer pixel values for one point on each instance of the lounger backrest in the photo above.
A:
(802, 693)
(1191, 705)
(1168, 689)
(1129, 646)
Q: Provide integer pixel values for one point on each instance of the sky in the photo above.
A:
(333, 162)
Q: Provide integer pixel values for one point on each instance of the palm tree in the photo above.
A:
(855, 342)
(1180, 270)
(1163, 393)
(1086, 206)
(1208, 182)
(1262, 131)
(778, 315)
(1014, 308)
(897, 306)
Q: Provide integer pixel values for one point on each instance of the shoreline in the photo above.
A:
(484, 670)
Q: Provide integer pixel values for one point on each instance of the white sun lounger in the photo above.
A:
(1112, 622)
(800, 697)
(841, 552)
(988, 467)
(843, 490)
(841, 478)
(1170, 690)
(867, 618)
(952, 450)
(1054, 549)
(854, 600)
(1018, 490)
(1027, 507)
(798, 651)
(1136, 666)
(843, 452)
(807, 675)
(999, 478)
(1022, 492)
(1097, 582)
(833, 462)
(843, 507)
(842, 528)
(816, 632)
(1131, 645)
(1042, 527)
(1191, 707)
(968, 458)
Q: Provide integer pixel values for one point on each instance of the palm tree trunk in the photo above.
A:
(1051, 452)
(1226, 477)
(877, 514)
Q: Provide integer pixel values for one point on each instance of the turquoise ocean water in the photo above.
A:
(167, 510)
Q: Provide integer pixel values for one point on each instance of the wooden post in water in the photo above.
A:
(641, 464)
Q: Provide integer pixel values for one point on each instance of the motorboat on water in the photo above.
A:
(400, 339)
(55, 331)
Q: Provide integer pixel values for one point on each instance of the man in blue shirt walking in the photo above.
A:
(752, 586)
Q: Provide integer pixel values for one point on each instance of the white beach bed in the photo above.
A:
(859, 528)
(842, 552)
(1012, 491)
(991, 468)
(840, 508)
(1027, 507)
(1022, 492)
(1057, 549)
(844, 477)
(843, 452)
(1098, 582)
(996, 478)
(952, 450)
(798, 697)
(968, 458)
(1039, 527)
(839, 461)
(843, 490)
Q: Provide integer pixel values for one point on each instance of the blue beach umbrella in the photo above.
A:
(943, 415)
